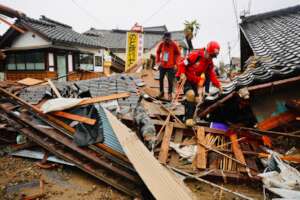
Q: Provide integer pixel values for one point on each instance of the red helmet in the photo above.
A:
(213, 48)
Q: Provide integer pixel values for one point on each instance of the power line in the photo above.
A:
(88, 13)
(157, 11)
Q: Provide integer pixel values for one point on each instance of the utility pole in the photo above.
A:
(229, 53)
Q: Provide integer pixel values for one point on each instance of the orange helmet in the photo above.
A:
(213, 48)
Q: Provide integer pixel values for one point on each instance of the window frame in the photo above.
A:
(27, 55)
(84, 67)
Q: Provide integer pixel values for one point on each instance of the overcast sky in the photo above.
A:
(216, 17)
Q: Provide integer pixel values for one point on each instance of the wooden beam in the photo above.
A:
(12, 25)
(290, 158)
(216, 105)
(74, 117)
(182, 126)
(104, 98)
(238, 154)
(274, 83)
(201, 159)
(54, 88)
(276, 121)
(7, 11)
(219, 103)
(164, 149)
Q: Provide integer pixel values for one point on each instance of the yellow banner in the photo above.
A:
(131, 49)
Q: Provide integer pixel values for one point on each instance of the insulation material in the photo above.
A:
(59, 104)
(282, 175)
(187, 152)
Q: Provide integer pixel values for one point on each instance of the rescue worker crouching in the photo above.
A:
(192, 70)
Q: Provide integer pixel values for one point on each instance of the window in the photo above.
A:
(86, 61)
(98, 60)
(11, 62)
(26, 61)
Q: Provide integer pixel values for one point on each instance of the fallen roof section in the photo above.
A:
(158, 179)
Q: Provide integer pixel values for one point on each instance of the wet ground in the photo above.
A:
(21, 176)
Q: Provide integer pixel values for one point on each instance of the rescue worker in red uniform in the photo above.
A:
(166, 56)
(192, 70)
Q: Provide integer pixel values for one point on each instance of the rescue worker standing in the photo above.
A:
(166, 55)
(192, 70)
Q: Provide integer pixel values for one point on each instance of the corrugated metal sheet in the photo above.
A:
(110, 138)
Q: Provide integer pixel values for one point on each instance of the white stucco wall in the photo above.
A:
(29, 39)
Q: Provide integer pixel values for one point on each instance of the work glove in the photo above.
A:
(182, 77)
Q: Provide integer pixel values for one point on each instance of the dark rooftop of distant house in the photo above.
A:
(116, 38)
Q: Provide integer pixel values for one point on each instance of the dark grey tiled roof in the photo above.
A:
(102, 86)
(156, 29)
(274, 38)
(116, 39)
(59, 32)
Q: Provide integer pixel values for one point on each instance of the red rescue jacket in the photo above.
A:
(166, 54)
(194, 65)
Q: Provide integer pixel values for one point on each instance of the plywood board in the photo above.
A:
(157, 178)
(30, 81)
(104, 98)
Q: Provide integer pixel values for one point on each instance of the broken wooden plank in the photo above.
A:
(104, 98)
(179, 125)
(276, 121)
(74, 117)
(160, 134)
(201, 159)
(30, 81)
(164, 149)
(161, 183)
(238, 154)
(54, 88)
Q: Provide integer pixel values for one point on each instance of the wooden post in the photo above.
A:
(54, 88)
(164, 150)
(201, 159)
